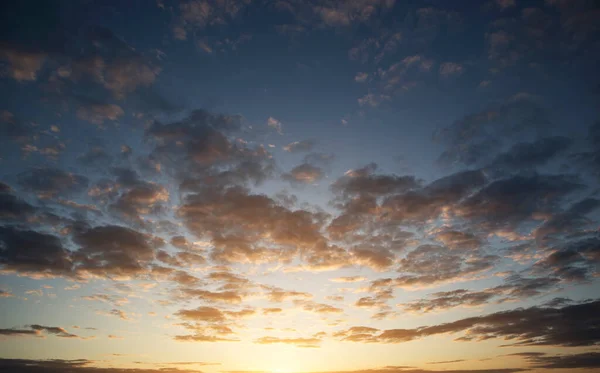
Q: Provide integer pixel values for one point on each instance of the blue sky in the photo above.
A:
(299, 186)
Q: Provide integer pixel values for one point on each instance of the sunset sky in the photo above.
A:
(283, 186)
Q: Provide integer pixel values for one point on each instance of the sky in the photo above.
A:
(282, 186)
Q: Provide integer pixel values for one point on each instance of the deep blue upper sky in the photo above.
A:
(286, 174)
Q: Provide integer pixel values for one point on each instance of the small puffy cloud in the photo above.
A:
(275, 124)
(361, 77)
(22, 65)
(448, 69)
(373, 100)
(304, 174)
(125, 75)
(505, 4)
(300, 146)
(99, 113)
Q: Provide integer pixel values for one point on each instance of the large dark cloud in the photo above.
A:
(514, 288)
(202, 143)
(505, 204)
(243, 225)
(113, 250)
(590, 157)
(50, 181)
(531, 154)
(432, 264)
(472, 140)
(32, 252)
(429, 202)
(569, 326)
(582, 360)
(577, 260)
(364, 181)
(76, 366)
(564, 224)
(13, 207)
(88, 366)
(11, 128)
(38, 331)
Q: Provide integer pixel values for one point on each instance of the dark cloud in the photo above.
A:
(39, 331)
(577, 260)
(420, 269)
(573, 361)
(140, 198)
(13, 207)
(55, 330)
(446, 362)
(477, 137)
(19, 332)
(202, 145)
(364, 181)
(361, 196)
(591, 157)
(113, 250)
(6, 294)
(449, 299)
(49, 182)
(530, 154)
(14, 129)
(430, 201)
(32, 252)
(409, 369)
(507, 203)
(96, 156)
(565, 223)
(78, 366)
(514, 288)
(569, 326)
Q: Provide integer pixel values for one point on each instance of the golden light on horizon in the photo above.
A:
(299, 186)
